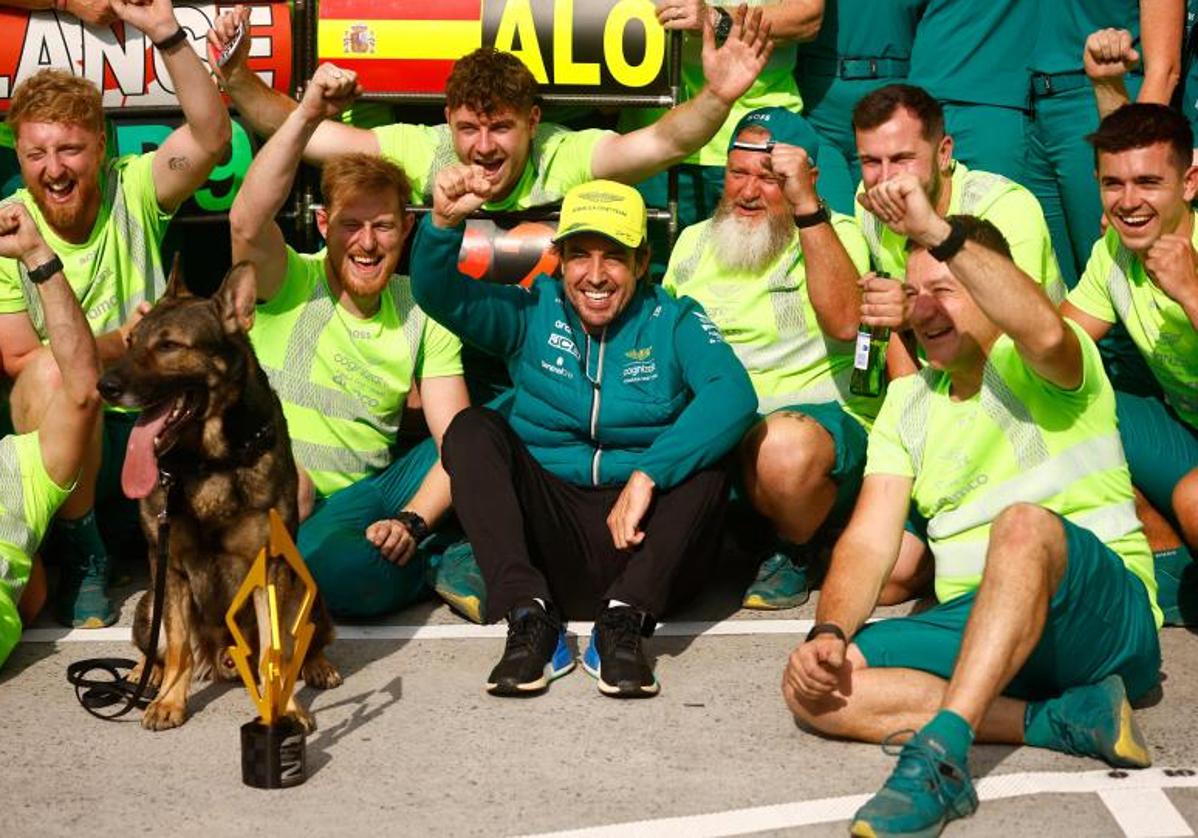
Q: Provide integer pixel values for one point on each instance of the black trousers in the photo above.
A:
(535, 535)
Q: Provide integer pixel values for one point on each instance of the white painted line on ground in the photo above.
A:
(453, 631)
(1129, 790)
(1145, 813)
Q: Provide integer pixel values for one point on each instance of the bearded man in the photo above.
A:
(778, 275)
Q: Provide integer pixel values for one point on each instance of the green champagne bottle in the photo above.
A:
(869, 358)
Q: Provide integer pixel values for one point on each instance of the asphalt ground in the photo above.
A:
(411, 744)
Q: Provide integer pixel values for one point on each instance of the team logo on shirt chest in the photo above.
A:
(640, 366)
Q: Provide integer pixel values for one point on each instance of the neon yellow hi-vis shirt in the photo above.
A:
(118, 267)
(1004, 203)
(344, 381)
(560, 159)
(1115, 285)
(1019, 439)
(767, 318)
(775, 87)
(28, 500)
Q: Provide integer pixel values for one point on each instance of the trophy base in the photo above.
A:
(273, 756)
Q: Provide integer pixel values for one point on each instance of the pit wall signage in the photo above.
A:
(121, 60)
(571, 46)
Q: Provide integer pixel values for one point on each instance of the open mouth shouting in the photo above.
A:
(61, 191)
(493, 168)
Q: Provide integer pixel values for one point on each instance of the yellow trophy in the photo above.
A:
(272, 745)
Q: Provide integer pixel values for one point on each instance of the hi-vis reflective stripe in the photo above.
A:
(14, 529)
(1118, 281)
(142, 251)
(315, 456)
(913, 418)
(966, 559)
(294, 384)
(1013, 419)
(1034, 485)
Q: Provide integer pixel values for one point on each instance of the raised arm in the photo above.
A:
(831, 274)
(489, 315)
(1108, 57)
(1161, 34)
(256, 236)
(730, 70)
(98, 12)
(66, 428)
(193, 149)
(1005, 294)
(789, 20)
(266, 109)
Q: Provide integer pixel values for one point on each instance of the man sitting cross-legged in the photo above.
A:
(600, 493)
(1007, 444)
(343, 342)
(38, 469)
(778, 274)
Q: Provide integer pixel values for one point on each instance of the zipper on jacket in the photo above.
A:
(595, 387)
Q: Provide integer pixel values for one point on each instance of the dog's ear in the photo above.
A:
(175, 286)
(236, 297)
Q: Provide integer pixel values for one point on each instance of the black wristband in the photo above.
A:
(820, 216)
(415, 524)
(723, 27)
(45, 270)
(170, 40)
(952, 243)
(827, 628)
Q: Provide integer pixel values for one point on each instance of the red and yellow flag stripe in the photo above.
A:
(406, 46)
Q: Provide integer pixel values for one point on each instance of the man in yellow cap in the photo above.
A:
(599, 492)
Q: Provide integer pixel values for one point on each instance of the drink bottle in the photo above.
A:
(869, 358)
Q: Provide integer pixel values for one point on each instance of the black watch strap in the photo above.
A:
(952, 243)
(826, 628)
(820, 216)
(723, 26)
(179, 36)
(416, 525)
(45, 270)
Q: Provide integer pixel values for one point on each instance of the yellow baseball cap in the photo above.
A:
(610, 209)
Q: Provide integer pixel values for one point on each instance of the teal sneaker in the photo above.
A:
(928, 789)
(81, 598)
(1095, 720)
(780, 584)
(457, 579)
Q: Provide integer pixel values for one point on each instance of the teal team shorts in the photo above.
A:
(1161, 449)
(1099, 623)
(850, 441)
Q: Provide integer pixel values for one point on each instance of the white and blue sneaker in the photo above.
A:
(535, 654)
(615, 657)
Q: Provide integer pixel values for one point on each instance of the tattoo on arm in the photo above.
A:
(179, 164)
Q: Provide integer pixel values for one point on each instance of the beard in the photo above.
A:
(62, 217)
(748, 244)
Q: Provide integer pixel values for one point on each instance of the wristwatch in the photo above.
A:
(723, 27)
(820, 216)
(415, 524)
(45, 270)
(826, 628)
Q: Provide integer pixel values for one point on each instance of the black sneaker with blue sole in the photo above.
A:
(615, 657)
(535, 654)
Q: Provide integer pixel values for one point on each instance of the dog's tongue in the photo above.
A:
(140, 471)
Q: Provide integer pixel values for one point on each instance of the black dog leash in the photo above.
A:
(96, 694)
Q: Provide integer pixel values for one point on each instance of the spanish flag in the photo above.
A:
(399, 46)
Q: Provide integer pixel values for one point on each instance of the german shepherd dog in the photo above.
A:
(210, 420)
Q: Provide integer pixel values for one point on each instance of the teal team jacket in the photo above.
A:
(659, 391)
